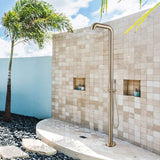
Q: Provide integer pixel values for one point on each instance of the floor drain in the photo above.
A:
(82, 137)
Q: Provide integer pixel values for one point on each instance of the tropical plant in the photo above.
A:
(104, 6)
(30, 20)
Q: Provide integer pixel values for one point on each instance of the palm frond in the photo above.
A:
(104, 6)
(140, 2)
(32, 20)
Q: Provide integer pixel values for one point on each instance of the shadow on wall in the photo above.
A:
(31, 86)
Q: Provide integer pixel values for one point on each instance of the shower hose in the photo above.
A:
(115, 107)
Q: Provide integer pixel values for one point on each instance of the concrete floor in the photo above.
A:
(65, 137)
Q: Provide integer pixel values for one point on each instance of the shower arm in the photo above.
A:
(111, 73)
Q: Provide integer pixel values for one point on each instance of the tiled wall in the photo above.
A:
(137, 57)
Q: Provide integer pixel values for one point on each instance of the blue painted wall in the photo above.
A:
(31, 86)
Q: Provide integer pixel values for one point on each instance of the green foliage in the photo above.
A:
(32, 19)
(104, 6)
(140, 2)
(10, 21)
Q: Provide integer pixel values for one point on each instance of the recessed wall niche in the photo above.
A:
(79, 84)
(132, 88)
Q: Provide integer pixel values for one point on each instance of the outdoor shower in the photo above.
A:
(111, 80)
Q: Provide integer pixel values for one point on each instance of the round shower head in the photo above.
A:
(92, 32)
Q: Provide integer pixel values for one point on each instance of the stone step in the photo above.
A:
(34, 145)
(11, 152)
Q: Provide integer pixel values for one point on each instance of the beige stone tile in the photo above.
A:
(136, 58)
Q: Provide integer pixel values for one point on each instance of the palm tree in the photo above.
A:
(30, 20)
(104, 6)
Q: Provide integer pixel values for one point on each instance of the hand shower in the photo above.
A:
(115, 107)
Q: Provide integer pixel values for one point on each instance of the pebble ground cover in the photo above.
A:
(23, 127)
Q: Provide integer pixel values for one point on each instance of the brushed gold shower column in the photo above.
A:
(111, 74)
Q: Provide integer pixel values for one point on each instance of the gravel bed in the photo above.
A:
(23, 127)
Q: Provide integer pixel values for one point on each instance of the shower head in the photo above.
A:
(92, 32)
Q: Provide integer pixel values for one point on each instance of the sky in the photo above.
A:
(82, 13)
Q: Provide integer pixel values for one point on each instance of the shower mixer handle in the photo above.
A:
(111, 90)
